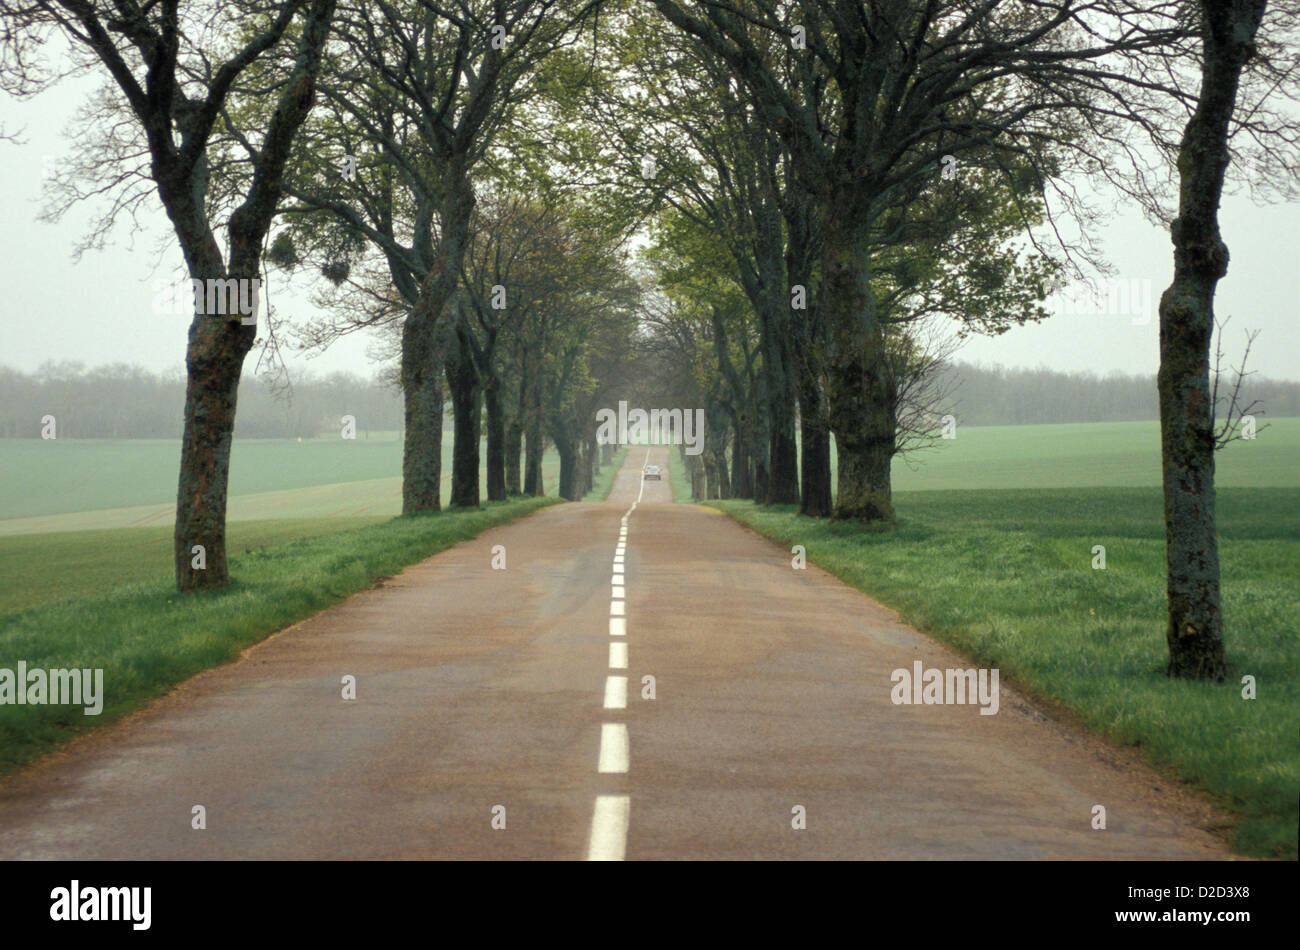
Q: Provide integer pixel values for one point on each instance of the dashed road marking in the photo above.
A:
(616, 692)
(613, 748)
(609, 819)
(609, 828)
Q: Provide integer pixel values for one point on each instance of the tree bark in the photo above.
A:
(214, 361)
(859, 392)
(716, 449)
(515, 434)
(467, 406)
(496, 439)
(806, 332)
(514, 456)
(567, 451)
(422, 395)
(816, 459)
(1194, 631)
(741, 484)
(782, 448)
(533, 483)
(217, 345)
(758, 453)
(588, 468)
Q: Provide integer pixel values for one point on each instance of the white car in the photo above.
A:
(652, 471)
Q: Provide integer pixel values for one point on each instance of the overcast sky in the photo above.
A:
(100, 310)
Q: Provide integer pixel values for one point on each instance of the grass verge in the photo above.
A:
(147, 638)
(47, 568)
(1006, 577)
(677, 478)
(603, 483)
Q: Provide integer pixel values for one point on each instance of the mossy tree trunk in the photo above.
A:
(467, 411)
(859, 392)
(1194, 631)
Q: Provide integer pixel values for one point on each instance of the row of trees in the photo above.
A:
(821, 180)
(838, 175)
(118, 401)
(399, 149)
(983, 396)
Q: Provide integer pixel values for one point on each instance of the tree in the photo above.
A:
(716, 163)
(418, 99)
(1195, 628)
(885, 90)
(175, 94)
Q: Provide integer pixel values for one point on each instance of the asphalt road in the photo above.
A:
(504, 714)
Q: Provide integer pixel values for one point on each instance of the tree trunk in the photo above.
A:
(568, 453)
(741, 485)
(699, 490)
(712, 477)
(719, 451)
(426, 337)
(588, 468)
(1195, 627)
(467, 407)
(782, 449)
(214, 360)
(758, 458)
(533, 484)
(496, 440)
(816, 439)
(422, 395)
(515, 435)
(808, 342)
(859, 392)
(514, 456)
(216, 349)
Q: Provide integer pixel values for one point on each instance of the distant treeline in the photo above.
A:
(991, 396)
(125, 402)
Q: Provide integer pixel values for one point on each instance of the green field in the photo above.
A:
(73, 485)
(1002, 569)
(86, 516)
(1088, 455)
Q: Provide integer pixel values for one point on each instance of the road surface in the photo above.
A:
(501, 714)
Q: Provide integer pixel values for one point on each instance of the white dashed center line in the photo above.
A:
(609, 828)
(618, 656)
(613, 748)
(616, 692)
(609, 820)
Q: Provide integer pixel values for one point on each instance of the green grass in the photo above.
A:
(1088, 455)
(603, 483)
(46, 568)
(677, 477)
(279, 493)
(147, 638)
(69, 475)
(1084, 455)
(76, 485)
(1006, 577)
